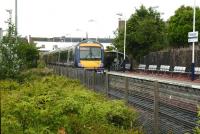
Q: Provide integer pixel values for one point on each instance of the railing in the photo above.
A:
(164, 107)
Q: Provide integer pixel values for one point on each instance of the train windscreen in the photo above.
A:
(90, 53)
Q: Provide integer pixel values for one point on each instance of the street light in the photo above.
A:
(79, 30)
(154, 7)
(70, 36)
(16, 19)
(92, 20)
(121, 15)
(10, 16)
(193, 44)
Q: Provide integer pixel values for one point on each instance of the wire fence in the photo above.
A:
(164, 107)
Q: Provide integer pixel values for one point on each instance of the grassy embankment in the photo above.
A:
(41, 103)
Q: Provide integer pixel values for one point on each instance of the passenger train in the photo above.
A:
(86, 54)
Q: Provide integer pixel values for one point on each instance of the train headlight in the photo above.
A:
(80, 65)
(101, 65)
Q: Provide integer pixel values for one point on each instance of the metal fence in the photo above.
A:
(164, 107)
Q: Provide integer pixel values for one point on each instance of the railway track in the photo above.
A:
(174, 116)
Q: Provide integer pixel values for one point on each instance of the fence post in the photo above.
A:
(67, 73)
(61, 70)
(93, 81)
(77, 74)
(84, 78)
(156, 108)
(107, 83)
(126, 89)
(54, 70)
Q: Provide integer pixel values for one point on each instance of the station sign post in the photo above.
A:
(192, 38)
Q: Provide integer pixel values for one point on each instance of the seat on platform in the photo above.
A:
(179, 69)
(197, 70)
(141, 67)
(164, 68)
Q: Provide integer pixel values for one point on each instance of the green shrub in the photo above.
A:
(45, 103)
(33, 74)
(197, 129)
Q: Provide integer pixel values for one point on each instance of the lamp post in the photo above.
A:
(193, 43)
(10, 16)
(92, 20)
(121, 15)
(70, 37)
(79, 30)
(16, 19)
(87, 33)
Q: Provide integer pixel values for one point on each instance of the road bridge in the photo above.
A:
(68, 39)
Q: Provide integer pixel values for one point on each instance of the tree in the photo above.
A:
(145, 33)
(180, 24)
(28, 53)
(110, 48)
(16, 54)
(9, 60)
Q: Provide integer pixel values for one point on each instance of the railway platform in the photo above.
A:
(163, 78)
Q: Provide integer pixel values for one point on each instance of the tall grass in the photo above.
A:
(43, 103)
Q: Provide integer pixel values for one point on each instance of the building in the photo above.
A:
(121, 25)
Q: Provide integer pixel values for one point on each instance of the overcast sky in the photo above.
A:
(49, 18)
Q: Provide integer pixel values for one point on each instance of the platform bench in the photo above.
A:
(197, 71)
(152, 68)
(180, 70)
(141, 67)
(164, 68)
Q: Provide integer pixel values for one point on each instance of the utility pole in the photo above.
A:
(16, 19)
(10, 17)
(124, 64)
(193, 43)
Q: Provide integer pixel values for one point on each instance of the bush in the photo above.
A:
(197, 129)
(45, 103)
(16, 55)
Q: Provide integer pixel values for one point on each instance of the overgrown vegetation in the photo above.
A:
(16, 54)
(197, 129)
(44, 102)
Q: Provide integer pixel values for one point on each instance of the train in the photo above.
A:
(87, 54)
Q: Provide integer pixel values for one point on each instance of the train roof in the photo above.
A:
(74, 45)
(89, 41)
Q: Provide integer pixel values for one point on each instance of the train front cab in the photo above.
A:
(90, 56)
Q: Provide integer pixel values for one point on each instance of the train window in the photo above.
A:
(63, 56)
(56, 57)
(96, 52)
(71, 56)
(90, 53)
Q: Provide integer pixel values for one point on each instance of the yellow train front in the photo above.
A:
(87, 54)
